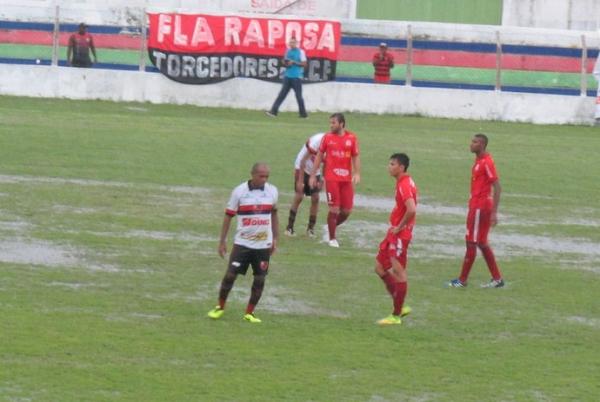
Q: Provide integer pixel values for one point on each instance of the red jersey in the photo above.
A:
(483, 175)
(405, 190)
(383, 65)
(338, 151)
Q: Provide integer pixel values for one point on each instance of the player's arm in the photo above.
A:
(70, 50)
(411, 211)
(93, 49)
(312, 181)
(356, 169)
(223, 237)
(274, 228)
(496, 190)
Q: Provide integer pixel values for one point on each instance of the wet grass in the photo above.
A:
(109, 215)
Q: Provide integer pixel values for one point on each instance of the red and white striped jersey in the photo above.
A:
(253, 207)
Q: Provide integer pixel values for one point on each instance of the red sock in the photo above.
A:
(390, 282)
(488, 254)
(331, 224)
(341, 218)
(401, 289)
(468, 262)
(250, 308)
(222, 304)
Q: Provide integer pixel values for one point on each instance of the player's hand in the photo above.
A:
(222, 249)
(494, 218)
(300, 186)
(273, 247)
(312, 182)
(395, 230)
(356, 178)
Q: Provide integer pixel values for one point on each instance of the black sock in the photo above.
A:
(291, 219)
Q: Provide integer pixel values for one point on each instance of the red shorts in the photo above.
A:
(340, 194)
(393, 247)
(478, 225)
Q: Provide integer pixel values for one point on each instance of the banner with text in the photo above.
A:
(204, 49)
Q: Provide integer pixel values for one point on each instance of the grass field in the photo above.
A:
(109, 219)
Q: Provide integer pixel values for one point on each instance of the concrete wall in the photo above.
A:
(560, 14)
(64, 82)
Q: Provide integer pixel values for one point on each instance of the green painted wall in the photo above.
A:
(487, 12)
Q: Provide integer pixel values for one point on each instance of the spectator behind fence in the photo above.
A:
(383, 63)
(596, 73)
(80, 44)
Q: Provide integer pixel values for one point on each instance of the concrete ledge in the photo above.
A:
(243, 93)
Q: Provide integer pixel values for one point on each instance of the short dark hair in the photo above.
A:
(402, 159)
(339, 117)
(482, 137)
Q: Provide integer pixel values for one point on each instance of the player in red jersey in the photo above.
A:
(393, 250)
(339, 151)
(483, 209)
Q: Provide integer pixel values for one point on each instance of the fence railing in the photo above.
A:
(498, 64)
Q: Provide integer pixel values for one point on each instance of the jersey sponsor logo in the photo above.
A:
(258, 236)
(255, 222)
(341, 172)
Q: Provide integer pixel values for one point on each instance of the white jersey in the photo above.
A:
(253, 209)
(311, 146)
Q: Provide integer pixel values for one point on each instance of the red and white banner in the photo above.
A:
(203, 49)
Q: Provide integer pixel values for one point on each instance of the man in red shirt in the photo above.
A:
(80, 44)
(383, 63)
(483, 208)
(339, 151)
(393, 250)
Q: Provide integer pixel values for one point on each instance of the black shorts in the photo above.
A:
(242, 256)
(307, 191)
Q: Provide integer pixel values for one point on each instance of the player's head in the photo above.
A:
(82, 28)
(293, 42)
(260, 174)
(479, 143)
(337, 123)
(399, 163)
(383, 47)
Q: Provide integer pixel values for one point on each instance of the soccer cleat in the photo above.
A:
(390, 320)
(493, 283)
(311, 233)
(290, 232)
(270, 114)
(457, 283)
(251, 318)
(216, 313)
(405, 311)
(334, 243)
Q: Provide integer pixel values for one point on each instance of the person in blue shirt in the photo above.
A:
(294, 61)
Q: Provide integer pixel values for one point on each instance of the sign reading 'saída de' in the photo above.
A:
(204, 49)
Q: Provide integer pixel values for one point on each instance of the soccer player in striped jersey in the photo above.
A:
(254, 202)
(482, 215)
(302, 168)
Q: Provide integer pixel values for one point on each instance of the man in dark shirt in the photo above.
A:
(80, 44)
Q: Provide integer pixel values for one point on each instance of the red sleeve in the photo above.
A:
(405, 190)
(490, 170)
(323, 146)
(355, 150)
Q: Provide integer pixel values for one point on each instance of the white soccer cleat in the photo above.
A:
(334, 243)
